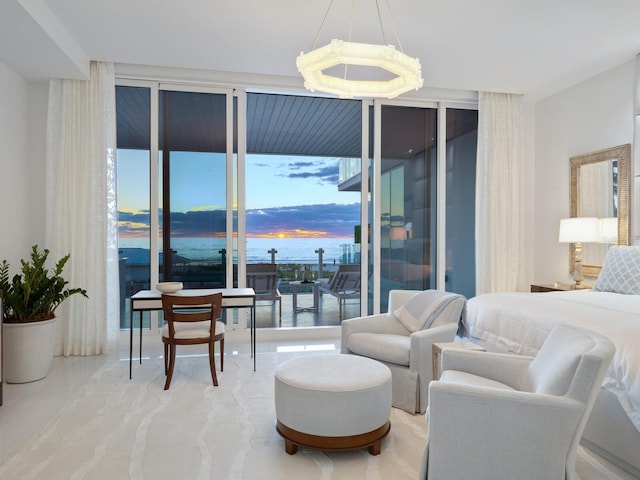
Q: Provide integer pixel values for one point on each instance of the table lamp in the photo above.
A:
(579, 230)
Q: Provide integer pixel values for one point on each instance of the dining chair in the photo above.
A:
(192, 320)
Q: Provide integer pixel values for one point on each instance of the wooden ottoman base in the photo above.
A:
(294, 439)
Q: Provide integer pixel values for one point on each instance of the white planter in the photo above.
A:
(28, 350)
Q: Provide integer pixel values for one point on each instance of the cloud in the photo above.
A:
(327, 220)
(325, 173)
(337, 220)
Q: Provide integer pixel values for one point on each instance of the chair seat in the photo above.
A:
(464, 378)
(381, 346)
(186, 330)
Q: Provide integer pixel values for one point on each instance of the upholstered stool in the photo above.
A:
(333, 402)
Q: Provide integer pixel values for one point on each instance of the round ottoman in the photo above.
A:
(333, 402)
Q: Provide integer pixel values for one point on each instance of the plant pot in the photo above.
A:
(28, 350)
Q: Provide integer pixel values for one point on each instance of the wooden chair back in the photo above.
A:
(191, 308)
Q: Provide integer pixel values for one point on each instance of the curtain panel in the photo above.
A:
(81, 215)
(500, 213)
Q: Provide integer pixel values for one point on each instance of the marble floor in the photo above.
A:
(28, 407)
(87, 420)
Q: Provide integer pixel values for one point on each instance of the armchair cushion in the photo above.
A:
(386, 348)
(464, 378)
(423, 309)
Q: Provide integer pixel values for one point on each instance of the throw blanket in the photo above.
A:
(421, 310)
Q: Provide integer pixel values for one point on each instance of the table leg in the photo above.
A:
(140, 337)
(130, 337)
(251, 331)
(253, 336)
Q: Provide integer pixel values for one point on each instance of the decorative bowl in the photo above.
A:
(169, 287)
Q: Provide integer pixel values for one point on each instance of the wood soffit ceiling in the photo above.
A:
(276, 124)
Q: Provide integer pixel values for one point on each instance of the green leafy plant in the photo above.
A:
(34, 294)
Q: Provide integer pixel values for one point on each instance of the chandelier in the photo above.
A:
(405, 71)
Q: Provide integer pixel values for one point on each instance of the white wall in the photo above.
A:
(21, 165)
(595, 114)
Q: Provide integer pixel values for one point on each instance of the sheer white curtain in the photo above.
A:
(500, 243)
(81, 207)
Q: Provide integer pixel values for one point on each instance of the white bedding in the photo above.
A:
(520, 322)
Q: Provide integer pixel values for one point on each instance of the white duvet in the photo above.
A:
(520, 322)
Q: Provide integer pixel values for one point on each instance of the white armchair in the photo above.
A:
(402, 339)
(500, 416)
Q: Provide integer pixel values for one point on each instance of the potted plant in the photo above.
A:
(31, 298)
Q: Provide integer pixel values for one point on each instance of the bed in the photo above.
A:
(520, 322)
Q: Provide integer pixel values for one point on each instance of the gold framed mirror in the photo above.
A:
(599, 187)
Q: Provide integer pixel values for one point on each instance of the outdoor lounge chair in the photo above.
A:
(344, 284)
(263, 278)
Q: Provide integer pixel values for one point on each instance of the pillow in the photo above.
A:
(621, 271)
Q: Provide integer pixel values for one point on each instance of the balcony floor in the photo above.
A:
(327, 315)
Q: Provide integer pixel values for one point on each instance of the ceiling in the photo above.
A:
(278, 124)
(535, 47)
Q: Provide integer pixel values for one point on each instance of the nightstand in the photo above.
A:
(556, 287)
(438, 347)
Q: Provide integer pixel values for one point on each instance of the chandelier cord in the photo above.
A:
(393, 24)
(326, 14)
(353, 6)
(384, 38)
(353, 9)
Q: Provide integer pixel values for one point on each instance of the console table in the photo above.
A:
(149, 300)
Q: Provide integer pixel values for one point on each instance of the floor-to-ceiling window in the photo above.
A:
(133, 109)
(179, 175)
(192, 170)
(299, 214)
(461, 136)
(407, 189)
(172, 188)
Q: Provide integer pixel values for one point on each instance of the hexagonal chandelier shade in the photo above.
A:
(406, 72)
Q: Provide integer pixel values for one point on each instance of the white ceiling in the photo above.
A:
(534, 47)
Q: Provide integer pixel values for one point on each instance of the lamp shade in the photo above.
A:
(579, 230)
(608, 230)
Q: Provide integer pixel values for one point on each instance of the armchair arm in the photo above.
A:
(421, 354)
(501, 367)
(479, 432)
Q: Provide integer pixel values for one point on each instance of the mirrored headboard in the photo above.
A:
(599, 187)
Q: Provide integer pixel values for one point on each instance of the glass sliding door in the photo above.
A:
(133, 105)
(192, 168)
(173, 165)
(303, 194)
(407, 189)
(209, 178)
(462, 137)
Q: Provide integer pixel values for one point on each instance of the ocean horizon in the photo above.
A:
(289, 250)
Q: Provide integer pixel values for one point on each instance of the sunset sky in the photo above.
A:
(286, 196)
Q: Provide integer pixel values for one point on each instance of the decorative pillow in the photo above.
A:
(621, 271)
